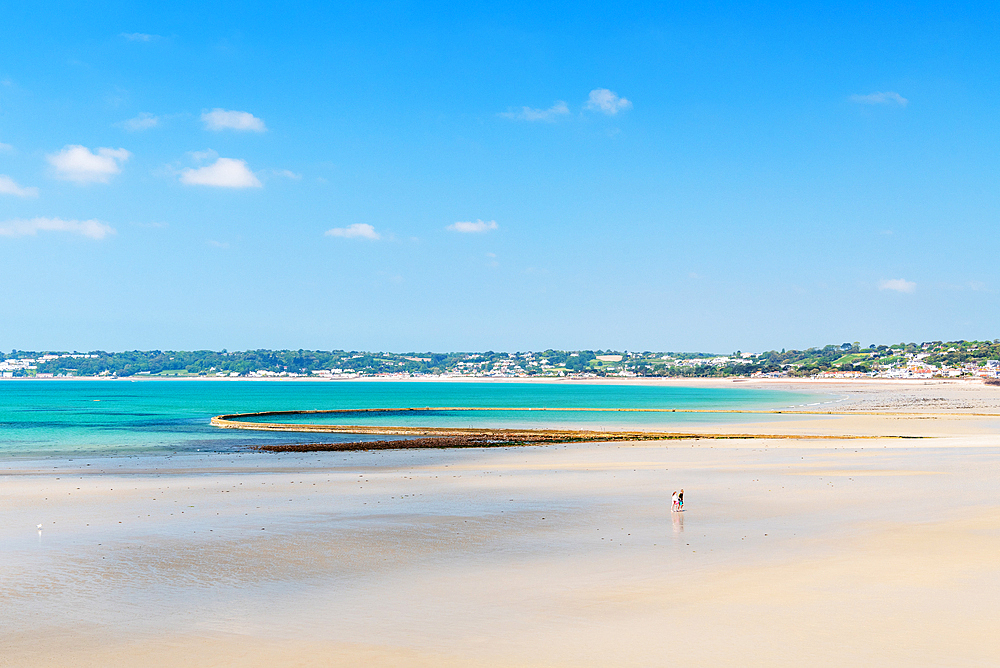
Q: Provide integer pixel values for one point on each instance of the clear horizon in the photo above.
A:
(428, 176)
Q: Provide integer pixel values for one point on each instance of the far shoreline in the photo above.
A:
(644, 380)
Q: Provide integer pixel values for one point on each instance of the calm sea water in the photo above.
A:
(149, 416)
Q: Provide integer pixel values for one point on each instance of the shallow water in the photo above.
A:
(150, 416)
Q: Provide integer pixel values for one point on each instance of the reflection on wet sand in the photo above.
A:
(441, 557)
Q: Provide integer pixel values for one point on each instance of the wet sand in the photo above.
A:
(817, 552)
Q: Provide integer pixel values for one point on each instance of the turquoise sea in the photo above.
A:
(125, 417)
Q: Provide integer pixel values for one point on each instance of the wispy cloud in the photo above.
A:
(888, 97)
(202, 156)
(549, 115)
(139, 37)
(218, 244)
(223, 173)
(607, 102)
(5, 147)
(93, 229)
(897, 285)
(288, 174)
(355, 231)
(242, 121)
(467, 227)
(143, 121)
(79, 164)
(9, 186)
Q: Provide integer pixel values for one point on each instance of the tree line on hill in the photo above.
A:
(844, 357)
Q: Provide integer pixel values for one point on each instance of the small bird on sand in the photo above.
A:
(39, 527)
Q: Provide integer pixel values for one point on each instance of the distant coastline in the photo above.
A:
(848, 361)
(809, 381)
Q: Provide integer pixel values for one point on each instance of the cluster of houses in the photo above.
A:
(702, 361)
(10, 368)
(914, 368)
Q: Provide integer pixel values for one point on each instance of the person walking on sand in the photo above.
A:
(680, 501)
(674, 503)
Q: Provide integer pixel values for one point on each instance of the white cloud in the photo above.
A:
(139, 37)
(5, 147)
(355, 231)
(223, 173)
(288, 174)
(887, 97)
(77, 163)
(607, 102)
(9, 186)
(897, 285)
(143, 121)
(220, 119)
(94, 229)
(478, 226)
(528, 114)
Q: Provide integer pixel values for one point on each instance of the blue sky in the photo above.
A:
(433, 176)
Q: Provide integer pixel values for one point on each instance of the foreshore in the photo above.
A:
(813, 550)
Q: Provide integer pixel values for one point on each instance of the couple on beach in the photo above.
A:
(677, 502)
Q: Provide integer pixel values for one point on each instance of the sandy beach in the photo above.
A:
(879, 552)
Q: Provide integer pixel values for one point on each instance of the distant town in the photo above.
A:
(934, 359)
